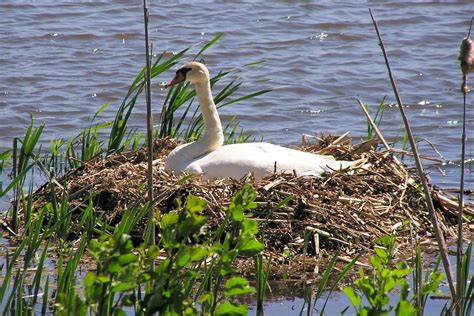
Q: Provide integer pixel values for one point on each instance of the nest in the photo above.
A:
(341, 212)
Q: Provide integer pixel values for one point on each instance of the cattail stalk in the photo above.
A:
(429, 201)
(149, 126)
(466, 57)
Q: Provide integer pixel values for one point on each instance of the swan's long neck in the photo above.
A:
(213, 136)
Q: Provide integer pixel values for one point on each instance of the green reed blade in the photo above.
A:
(45, 305)
(338, 279)
(467, 290)
(38, 275)
(209, 44)
(17, 180)
(10, 265)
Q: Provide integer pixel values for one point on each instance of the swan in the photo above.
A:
(207, 156)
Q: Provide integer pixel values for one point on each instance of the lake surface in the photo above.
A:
(62, 61)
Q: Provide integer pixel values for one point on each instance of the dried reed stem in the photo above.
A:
(149, 125)
(439, 235)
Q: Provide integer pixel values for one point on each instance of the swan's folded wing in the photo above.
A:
(262, 159)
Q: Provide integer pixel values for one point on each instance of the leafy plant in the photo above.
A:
(375, 288)
(116, 273)
(187, 280)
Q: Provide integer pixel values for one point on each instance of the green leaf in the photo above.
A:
(127, 259)
(229, 309)
(206, 298)
(209, 44)
(183, 257)
(381, 253)
(5, 155)
(195, 204)
(100, 110)
(249, 246)
(120, 312)
(244, 199)
(249, 227)
(191, 224)
(386, 241)
(198, 253)
(404, 308)
(124, 243)
(248, 96)
(89, 279)
(355, 299)
(238, 286)
(238, 213)
(189, 254)
(152, 252)
(169, 219)
(114, 267)
(103, 279)
(123, 287)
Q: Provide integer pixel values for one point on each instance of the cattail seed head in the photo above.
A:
(466, 55)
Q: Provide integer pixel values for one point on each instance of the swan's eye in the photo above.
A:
(183, 71)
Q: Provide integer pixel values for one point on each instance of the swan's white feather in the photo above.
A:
(208, 157)
(261, 159)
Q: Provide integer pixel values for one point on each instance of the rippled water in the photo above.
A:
(63, 61)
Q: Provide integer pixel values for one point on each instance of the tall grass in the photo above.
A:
(21, 166)
(377, 118)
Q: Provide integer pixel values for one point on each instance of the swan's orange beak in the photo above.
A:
(179, 77)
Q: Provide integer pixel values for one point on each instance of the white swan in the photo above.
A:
(208, 157)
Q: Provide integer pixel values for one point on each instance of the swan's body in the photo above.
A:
(207, 156)
(262, 159)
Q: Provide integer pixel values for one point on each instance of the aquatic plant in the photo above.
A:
(187, 280)
(384, 278)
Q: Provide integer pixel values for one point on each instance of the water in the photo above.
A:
(62, 61)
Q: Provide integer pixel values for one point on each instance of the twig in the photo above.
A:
(149, 125)
(434, 148)
(376, 129)
(405, 152)
(429, 201)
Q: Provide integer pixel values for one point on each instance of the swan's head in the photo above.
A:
(194, 72)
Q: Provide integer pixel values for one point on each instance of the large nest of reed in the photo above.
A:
(340, 212)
